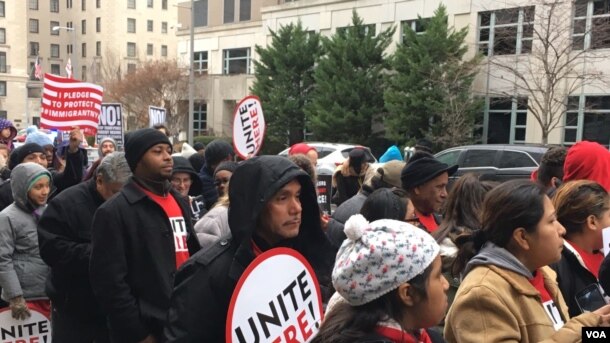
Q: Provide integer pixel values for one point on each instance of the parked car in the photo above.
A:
(502, 161)
(331, 155)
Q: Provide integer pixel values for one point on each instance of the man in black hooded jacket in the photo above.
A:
(259, 187)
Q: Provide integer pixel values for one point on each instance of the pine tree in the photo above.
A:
(284, 82)
(429, 89)
(348, 95)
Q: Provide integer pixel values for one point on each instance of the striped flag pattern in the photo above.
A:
(38, 69)
(67, 103)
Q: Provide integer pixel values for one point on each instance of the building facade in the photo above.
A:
(100, 37)
(507, 33)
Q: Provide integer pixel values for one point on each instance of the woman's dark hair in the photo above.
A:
(575, 201)
(346, 323)
(463, 207)
(511, 205)
(303, 162)
(384, 204)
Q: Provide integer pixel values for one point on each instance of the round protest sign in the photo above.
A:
(248, 127)
(36, 329)
(276, 300)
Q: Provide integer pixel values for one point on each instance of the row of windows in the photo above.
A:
(131, 4)
(132, 50)
(233, 11)
(234, 61)
(131, 26)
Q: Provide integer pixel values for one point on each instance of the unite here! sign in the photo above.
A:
(67, 103)
(248, 127)
(35, 329)
(277, 300)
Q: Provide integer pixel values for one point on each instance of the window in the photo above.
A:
(595, 15)
(164, 50)
(229, 11)
(131, 25)
(245, 9)
(98, 3)
(3, 114)
(98, 48)
(149, 3)
(200, 118)
(516, 159)
(83, 74)
(131, 4)
(83, 26)
(34, 48)
(2, 35)
(507, 119)
(69, 48)
(131, 68)
(479, 158)
(34, 92)
(68, 5)
(98, 24)
(54, 32)
(55, 6)
(69, 24)
(367, 28)
(33, 4)
(2, 88)
(149, 49)
(149, 25)
(83, 5)
(163, 4)
(55, 50)
(164, 27)
(2, 9)
(588, 118)
(33, 25)
(83, 50)
(3, 68)
(200, 62)
(236, 61)
(450, 157)
(131, 49)
(201, 13)
(418, 26)
(506, 32)
(55, 69)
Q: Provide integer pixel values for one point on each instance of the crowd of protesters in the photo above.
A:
(148, 245)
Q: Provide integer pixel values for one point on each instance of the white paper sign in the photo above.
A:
(156, 115)
(606, 240)
(248, 127)
(277, 299)
(36, 329)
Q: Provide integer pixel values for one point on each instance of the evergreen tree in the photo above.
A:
(429, 90)
(284, 82)
(348, 94)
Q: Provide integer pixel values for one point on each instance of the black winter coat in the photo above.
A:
(64, 236)
(204, 285)
(133, 261)
(572, 277)
(72, 175)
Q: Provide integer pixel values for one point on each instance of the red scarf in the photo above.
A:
(398, 335)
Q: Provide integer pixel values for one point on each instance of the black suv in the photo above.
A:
(503, 161)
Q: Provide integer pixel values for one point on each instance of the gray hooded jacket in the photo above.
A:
(22, 271)
(491, 254)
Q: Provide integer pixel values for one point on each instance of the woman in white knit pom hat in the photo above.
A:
(389, 275)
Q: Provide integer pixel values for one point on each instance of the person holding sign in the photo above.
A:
(139, 238)
(509, 293)
(389, 277)
(272, 203)
(22, 271)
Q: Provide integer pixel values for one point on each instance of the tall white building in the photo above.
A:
(96, 35)
(226, 32)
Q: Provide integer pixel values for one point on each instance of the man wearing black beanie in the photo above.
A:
(139, 239)
(216, 152)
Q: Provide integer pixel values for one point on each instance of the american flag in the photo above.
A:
(69, 68)
(37, 69)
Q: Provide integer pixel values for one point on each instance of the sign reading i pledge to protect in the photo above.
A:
(36, 329)
(277, 299)
(248, 127)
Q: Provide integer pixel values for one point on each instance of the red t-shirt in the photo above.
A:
(547, 302)
(399, 336)
(176, 219)
(427, 221)
(592, 261)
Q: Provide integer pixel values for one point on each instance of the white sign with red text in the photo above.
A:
(277, 300)
(36, 329)
(248, 127)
